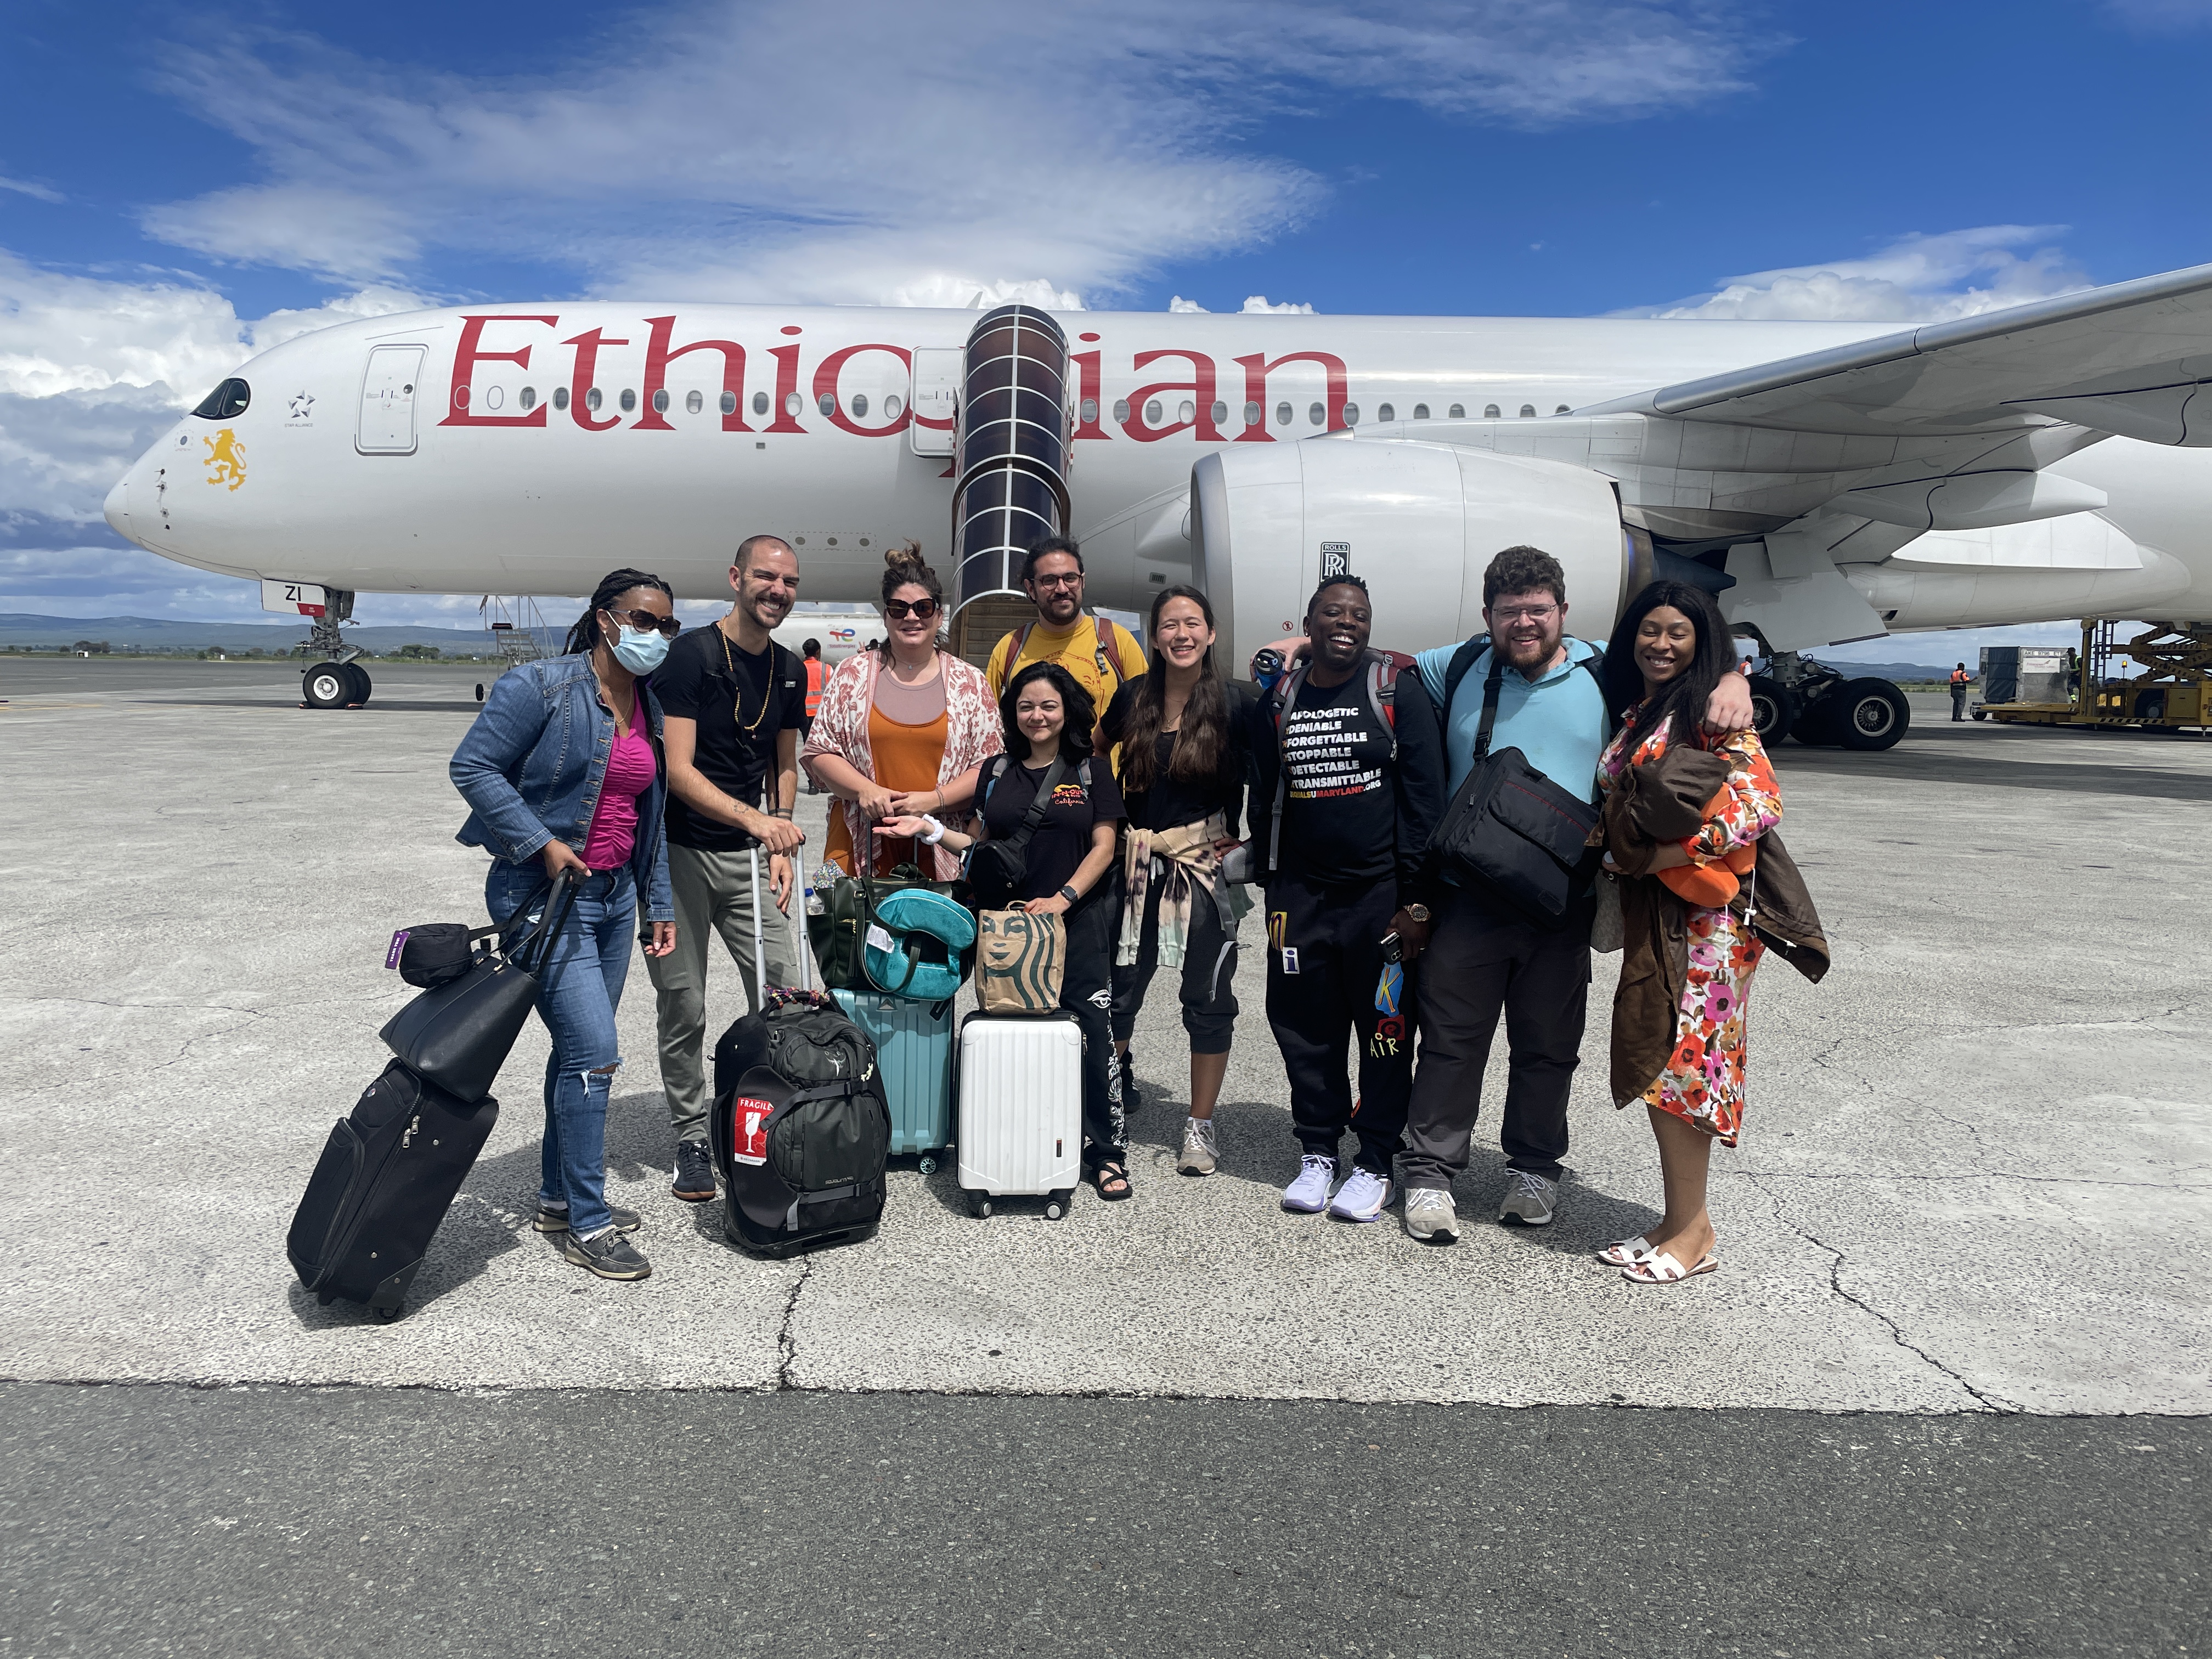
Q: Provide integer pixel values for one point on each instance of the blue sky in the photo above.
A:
(176, 187)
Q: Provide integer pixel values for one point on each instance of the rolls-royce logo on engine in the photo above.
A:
(1335, 559)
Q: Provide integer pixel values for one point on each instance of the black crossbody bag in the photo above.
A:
(997, 868)
(1513, 836)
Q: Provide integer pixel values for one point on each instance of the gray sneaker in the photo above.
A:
(1202, 1148)
(1528, 1199)
(556, 1221)
(1431, 1217)
(610, 1255)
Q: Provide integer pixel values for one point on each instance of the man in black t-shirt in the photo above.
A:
(733, 701)
(1349, 763)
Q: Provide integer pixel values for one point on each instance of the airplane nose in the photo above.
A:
(117, 507)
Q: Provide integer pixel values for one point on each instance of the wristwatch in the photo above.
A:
(1069, 893)
(1418, 912)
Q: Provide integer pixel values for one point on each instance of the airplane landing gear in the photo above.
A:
(1773, 708)
(340, 683)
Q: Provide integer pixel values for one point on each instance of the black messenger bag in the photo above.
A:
(1511, 834)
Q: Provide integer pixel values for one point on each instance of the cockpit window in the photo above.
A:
(227, 402)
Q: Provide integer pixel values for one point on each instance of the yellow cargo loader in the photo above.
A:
(2175, 695)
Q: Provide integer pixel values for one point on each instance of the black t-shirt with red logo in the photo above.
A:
(1062, 841)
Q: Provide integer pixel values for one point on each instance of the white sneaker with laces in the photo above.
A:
(1431, 1216)
(1309, 1193)
(1362, 1198)
(1528, 1199)
(1201, 1150)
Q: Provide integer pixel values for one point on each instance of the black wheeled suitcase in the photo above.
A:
(800, 1129)
(387, 1175)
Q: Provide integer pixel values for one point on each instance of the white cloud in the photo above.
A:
(875, 151)
(1916, 279)
(2162, 16)
(1177, 305)
(1257, 305)
(32, 189)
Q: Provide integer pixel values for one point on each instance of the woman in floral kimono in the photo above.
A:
(1683, 811)
(901, 730)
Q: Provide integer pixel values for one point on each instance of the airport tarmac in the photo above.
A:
(1973, 1177)
(1961, 1240)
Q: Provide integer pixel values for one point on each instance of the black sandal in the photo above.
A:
(1114, 1174)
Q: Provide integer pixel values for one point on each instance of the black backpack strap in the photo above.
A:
(1019, 839)
(1462, 663)
(1286, 689)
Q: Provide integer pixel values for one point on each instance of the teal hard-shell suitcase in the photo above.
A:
(913, 1048)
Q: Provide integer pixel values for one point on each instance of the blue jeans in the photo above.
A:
(579, 986)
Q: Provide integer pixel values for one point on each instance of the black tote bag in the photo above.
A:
(1512, 835)
(458, 1035)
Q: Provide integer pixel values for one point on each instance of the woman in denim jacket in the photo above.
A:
(563, 771)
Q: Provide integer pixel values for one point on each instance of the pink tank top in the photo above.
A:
(631, 772)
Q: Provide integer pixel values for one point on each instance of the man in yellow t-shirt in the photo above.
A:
(1103, 655)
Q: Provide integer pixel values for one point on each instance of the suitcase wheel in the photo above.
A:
(979, 1205)
(1056, 1205)
(385, 1315)
(928, 1165)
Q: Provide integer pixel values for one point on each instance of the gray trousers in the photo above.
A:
(1478, 963)
(714, 895)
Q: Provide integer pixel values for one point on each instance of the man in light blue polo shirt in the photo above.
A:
(1480, 959)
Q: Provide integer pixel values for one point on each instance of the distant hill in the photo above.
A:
(1899, 670)
(122, 634)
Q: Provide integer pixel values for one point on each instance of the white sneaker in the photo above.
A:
(1528, 1199)
(1431, 1217)
(1200, 1150)
(1362, 1197)
(1309, 1193)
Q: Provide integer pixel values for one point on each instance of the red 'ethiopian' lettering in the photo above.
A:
(460, 405)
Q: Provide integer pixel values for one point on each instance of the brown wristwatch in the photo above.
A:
(1418, 912)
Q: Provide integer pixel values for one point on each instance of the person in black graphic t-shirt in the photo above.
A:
(1351, 765)
(735, 701)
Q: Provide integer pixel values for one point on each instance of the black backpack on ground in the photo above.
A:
(801, 1128)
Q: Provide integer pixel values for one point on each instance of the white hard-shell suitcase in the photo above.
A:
(1021, 1109)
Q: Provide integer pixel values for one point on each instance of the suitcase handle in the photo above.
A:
(805, 952)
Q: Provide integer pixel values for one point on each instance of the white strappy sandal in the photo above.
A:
(1623, 1251)
(1664, 1269)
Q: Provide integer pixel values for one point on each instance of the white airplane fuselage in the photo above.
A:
(797, 421)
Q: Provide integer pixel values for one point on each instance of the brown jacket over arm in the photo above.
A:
(1665, 801)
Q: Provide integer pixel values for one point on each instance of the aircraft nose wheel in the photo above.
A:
(327, 685)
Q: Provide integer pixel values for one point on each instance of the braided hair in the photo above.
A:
(585, 635)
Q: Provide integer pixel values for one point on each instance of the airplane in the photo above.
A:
(1830, 483)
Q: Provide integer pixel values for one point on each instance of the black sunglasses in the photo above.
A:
(896, 608)
(647, 622)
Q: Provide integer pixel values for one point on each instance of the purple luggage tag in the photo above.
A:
(398, 944)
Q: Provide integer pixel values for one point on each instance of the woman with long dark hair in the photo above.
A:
(564, 776)
(1184, 734)
(1048, 717)
(1679, 798)
(902, 729)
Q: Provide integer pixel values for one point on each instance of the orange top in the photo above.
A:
(906, 759)
(815, 673)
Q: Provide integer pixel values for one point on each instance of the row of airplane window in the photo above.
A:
(858, 405)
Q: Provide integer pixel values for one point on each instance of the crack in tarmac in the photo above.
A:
(1990, 1402)
(786, 1341)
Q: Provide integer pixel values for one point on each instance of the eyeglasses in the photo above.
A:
(898, 610)
(1534, 613)
(646, 621)
(1065, 579)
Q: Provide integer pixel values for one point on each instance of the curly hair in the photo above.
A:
(1524, 570)
(904, 567)
(1082, 713)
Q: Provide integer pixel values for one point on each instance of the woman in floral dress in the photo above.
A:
(1688, 961)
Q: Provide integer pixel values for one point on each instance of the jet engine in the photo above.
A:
(1418, 521)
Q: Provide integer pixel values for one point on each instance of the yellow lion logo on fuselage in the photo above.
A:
(226, 458)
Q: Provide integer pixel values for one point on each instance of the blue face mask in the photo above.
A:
(640, 653)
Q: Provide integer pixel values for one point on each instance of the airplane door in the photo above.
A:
(387, 400)
(934, 397)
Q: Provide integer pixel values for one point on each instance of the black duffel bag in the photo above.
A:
(457, 1035)
(1513, 836)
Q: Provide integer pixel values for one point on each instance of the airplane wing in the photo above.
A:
(2134, 359)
